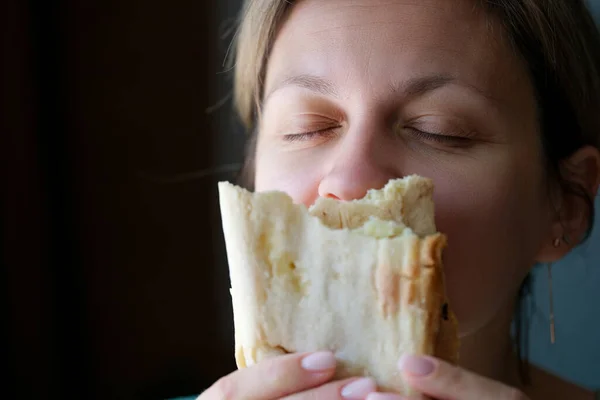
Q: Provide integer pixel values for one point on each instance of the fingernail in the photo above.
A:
(320, 361)
(359, 389)
(384, 396)
(416, 365)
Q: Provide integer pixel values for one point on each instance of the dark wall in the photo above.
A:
(117, 285)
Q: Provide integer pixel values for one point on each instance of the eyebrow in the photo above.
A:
(421, 85)
(410, 88)
(313, 83)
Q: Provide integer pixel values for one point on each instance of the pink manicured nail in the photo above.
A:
(384, 396)
(318, 362)
(416, 365)
(359, 389)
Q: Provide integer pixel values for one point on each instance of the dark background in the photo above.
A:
(113, 276)
(114, 280)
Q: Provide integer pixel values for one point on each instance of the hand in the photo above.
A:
(439, 380)
(291, 377)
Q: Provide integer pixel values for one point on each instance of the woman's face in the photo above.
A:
(359, 92)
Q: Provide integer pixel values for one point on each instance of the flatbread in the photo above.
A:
(363, 279)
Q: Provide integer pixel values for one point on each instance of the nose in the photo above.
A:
(358, 165)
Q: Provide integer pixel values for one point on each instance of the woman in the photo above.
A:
(496, 101)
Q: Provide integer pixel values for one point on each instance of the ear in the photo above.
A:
(580, 175)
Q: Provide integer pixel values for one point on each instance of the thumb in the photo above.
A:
(441, 380)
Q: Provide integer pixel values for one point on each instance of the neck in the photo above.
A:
(489, 350)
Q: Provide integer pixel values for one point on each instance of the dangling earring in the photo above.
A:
(556, 244)
(550, 298)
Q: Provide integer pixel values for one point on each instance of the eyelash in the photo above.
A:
(306, 136)
(439, 138)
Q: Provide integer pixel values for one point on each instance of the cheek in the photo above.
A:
(494, 220)
(299, 177)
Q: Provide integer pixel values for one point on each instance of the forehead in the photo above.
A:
(376, 44)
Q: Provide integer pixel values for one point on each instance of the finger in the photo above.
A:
(275, 377)
(347, 389)
(441, 380)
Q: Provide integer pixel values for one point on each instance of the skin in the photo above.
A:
(343, 113)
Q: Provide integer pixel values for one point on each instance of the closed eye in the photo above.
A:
(439, 137)
(320, 134)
